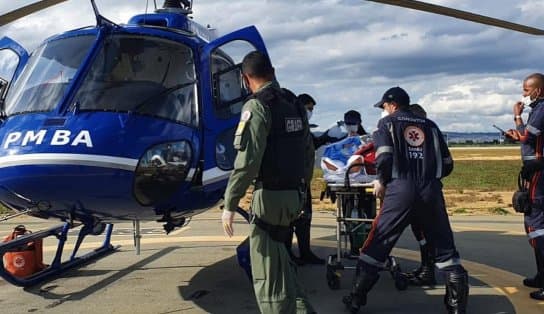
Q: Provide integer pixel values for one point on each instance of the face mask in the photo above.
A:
(309, 114)
(352, 128)
(384, 114)
(526, 101)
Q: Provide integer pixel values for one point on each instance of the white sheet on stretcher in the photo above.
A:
(339, 175)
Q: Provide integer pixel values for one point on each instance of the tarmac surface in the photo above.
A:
(195, 270)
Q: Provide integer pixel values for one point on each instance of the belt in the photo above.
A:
(277, 233)
(277, 186)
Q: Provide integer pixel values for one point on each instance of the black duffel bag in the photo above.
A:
(521, 200)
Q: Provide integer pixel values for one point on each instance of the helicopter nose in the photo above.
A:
(161, 171)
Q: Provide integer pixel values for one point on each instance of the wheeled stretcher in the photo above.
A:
(355, 213)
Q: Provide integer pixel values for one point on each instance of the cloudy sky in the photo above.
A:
(346, 53)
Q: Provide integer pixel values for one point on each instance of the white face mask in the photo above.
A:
(309, 114)
(384, 113)
(526, 101)
(352, 128)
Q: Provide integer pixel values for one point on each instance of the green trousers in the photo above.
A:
(275, 281)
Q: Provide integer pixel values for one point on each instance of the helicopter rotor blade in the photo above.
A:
(27, 10)
(464, 15)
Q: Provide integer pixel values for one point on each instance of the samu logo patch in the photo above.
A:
(414, 136)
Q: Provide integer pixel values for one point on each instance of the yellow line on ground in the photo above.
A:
(154, 240)
(502, 231)
(180, 230)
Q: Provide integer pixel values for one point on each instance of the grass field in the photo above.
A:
(482, 181)
(483, 175)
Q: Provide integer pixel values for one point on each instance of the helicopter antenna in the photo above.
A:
(463, 15)
(27, 10)
(177, 6)
(100, 20)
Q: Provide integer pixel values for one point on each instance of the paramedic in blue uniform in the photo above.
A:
(411, 158)
(532, 145)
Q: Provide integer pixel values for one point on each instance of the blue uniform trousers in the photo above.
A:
(406, 200)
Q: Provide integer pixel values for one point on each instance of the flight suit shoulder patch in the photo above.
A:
(238, 135)
(246, 115)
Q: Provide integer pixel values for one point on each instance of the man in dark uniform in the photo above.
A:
(301, 226)
(532, 145)
(411, 158)
(271, 140)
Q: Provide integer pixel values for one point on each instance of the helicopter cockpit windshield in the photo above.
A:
(145, 75)
(47, 74)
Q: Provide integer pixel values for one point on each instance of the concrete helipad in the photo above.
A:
(194, 270)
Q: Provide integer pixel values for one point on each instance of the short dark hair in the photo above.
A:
(538, 78)
(418, 110)
(305, 99)
(352, 117)
(257, 64)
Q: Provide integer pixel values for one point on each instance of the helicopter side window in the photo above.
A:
(144, 75)
(8, 64)
(47, 74)
(229, 92)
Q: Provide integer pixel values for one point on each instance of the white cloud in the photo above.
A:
(346, 53)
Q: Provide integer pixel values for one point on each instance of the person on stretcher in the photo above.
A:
(338, 156)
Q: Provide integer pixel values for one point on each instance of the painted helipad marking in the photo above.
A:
(501, 231)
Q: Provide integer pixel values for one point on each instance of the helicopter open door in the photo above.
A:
(13, 58)
(220, 114)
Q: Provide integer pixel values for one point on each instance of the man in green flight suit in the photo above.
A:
(271, 140)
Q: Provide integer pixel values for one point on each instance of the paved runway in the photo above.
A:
(194, 270)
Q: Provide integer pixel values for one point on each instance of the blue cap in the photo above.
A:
(395, 94)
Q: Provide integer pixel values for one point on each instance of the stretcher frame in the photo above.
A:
(342, 194)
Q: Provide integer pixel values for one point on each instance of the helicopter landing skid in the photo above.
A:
(57, 267)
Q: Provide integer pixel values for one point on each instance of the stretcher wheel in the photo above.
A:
(333, 279)
(347, 302)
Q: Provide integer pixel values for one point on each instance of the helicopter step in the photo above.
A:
(57, 266)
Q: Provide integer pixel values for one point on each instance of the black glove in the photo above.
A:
(321, 140)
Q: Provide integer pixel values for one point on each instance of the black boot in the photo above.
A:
(538, 279)
(537, 295)
(303, 237)
(362, 284)
(424, 275)
(456, 297)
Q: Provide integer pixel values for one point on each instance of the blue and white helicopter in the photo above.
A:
(134, 121)
(121, 122)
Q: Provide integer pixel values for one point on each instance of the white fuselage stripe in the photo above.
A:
(69, 159)
(214, 175)
(210, 176)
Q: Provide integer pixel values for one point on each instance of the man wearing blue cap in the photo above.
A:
(411, 158)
